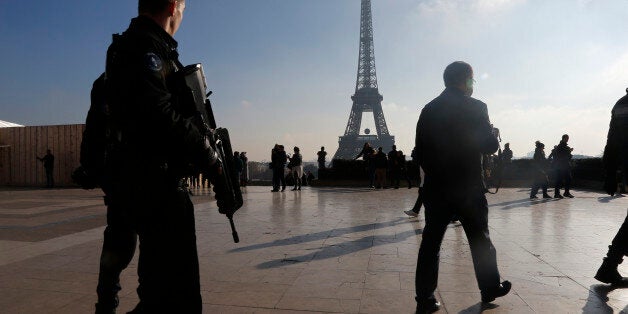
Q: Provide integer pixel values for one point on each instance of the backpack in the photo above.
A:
(94, 143)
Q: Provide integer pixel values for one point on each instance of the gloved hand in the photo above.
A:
(610, 183)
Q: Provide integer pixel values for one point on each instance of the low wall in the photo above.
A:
(19, 147)
(587, 173)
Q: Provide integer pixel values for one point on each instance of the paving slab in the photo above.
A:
(320, 250)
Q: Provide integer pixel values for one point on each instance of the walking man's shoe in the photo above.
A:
(491, 294)
(608, 274)
(558, 196)
(411, 213)
(568, 195)
(546, 195)
(427, 306)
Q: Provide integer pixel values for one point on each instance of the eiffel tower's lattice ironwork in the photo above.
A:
(366, 98)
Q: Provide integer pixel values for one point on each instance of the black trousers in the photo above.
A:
(279, 178)
(563, 179)
(472, 211)
(162, 215)
(50, 180)
(540, 182)
(118, 249)
(419, 201)
(619, 247)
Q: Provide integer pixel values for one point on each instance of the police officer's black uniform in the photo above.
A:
(454, 186)
(616, 158)
(151, 137)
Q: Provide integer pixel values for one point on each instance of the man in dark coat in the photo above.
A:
(616, 158)
(454, 184)
(561, 157)
(321, 155)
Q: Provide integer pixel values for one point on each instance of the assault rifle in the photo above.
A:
(226, 182)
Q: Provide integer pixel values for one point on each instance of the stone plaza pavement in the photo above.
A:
(349, 250)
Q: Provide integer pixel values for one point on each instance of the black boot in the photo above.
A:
(102, 308)
(608, 273)
(490, 295)
(429, 305)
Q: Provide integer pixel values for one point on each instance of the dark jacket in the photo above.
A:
(540, 162)
(49, 161)
(279, 158)
(321, 155)
(561, 155)
(452, 134)
(238, 164)
(616, 150)
(296, 160)
(152, 130)
(392, 158)
(367, 153)
(506, 156)
(380, 160)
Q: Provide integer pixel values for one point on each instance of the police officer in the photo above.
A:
(145, 114)
(616, 158)
(454, 185)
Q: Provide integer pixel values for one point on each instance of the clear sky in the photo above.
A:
(283, 71)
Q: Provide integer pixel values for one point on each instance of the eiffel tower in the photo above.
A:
(366, 98)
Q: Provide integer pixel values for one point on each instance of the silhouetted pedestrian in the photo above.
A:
(278, 163)
(321, 158)
(237, 164)
(402, 165)
(453, 183)
(540, 175)
(393, 167)
(297, 168)
(368, 155)
(49, 164)
(381, 165)
(244, 177)
(615, 158)
(561, 157)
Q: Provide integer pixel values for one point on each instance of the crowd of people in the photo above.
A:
(240, 162)
(381, 166)
(280, 160)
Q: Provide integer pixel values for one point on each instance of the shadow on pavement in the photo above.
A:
(598, 296)
(320, 235)
(337, 250)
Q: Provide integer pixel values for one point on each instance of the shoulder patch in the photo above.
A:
(153, 62)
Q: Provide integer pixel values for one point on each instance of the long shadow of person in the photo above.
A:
(337, 250)
(598, 296)
(607, 199)
(321, 235)
(479, 308)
